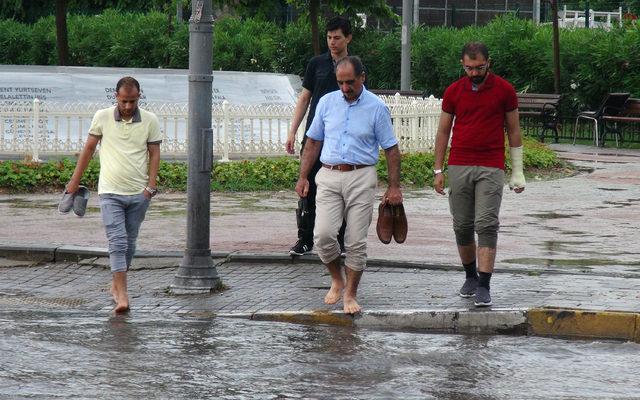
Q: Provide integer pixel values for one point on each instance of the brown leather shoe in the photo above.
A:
(384, 227)
(400, 226)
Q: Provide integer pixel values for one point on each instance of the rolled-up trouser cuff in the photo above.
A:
(475, 195)
(464, 236)
(122, 216)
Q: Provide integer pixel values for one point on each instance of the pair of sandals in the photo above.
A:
(76, 201)
(392, 223)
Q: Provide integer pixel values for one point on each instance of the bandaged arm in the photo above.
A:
(512, 122)
(517, 170)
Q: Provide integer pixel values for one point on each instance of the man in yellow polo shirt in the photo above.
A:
(129, 140)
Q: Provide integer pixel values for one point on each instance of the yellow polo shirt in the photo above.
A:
(124, 158)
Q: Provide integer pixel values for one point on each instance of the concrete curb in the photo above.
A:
(550, 322)
(497, 321)
(49, 253)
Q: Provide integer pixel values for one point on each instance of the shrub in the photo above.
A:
(43, 42)
(536, 156)
(296, 50)
(15, 40)
(593, 61)
(245, 45)
(260, 174)
(119, 39)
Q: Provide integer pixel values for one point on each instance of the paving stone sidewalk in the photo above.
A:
(570, 243)
(276, 286)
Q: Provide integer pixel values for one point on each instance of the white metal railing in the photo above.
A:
(597, 19)
(41, 128)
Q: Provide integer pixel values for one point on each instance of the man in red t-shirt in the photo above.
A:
(481, 104)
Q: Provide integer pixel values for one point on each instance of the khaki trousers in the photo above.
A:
(344, 195)
(475, 195)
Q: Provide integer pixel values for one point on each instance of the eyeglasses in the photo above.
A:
(479, 68)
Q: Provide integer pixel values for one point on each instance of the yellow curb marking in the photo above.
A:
(583, 323)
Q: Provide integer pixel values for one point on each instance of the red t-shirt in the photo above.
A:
(478, 129)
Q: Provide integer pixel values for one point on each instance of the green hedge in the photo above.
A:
(593, 61)
(260, 174)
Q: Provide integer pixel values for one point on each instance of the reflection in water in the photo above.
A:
(76, 355)
(120, 333)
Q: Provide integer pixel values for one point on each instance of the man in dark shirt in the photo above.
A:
(319, 79)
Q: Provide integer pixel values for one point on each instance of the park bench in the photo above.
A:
(612, 106)
(544, 108)
(630, 113)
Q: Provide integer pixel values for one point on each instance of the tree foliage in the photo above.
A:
(314, 8)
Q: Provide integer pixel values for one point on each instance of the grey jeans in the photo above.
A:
(122, 216)
(475, 195)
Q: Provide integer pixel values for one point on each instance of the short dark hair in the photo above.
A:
(358, 67)
(341, 23)
(128, 82)
(472, 49)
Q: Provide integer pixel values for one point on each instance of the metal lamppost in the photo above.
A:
(197, 274)
(405, 55)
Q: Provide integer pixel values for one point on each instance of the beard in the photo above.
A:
(477, 79)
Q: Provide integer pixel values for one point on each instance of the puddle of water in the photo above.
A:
(618, 204)
(559, 262)
(147, 357)
(574, 233)
(612, 189)
(553, 215)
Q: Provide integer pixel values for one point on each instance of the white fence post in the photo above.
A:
(225, 131)
(35, 131)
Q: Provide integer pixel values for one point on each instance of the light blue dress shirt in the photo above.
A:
(352, 132)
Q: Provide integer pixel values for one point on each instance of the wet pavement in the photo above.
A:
(82, 355)
(565, 244)
(582, 223)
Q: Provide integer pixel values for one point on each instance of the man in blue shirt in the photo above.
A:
(350, 126)
(319, 79)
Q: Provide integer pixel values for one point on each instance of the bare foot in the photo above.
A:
(122, 302)
(113, 294)
(119, 292)
(121, 308)
(334, 294)
(351, 306)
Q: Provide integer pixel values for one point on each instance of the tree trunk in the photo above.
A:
(314, 6)
(61, 32)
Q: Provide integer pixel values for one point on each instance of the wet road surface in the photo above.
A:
(78, 355)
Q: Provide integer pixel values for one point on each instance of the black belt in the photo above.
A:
(344, 167)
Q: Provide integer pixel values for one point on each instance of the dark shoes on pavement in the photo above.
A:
(392, 223)
(483, 297)
(300, 248)
(469, 287)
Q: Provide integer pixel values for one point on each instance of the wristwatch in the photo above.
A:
(436, 172)
(152, 191)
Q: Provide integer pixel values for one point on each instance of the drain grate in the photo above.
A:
(40, 301)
